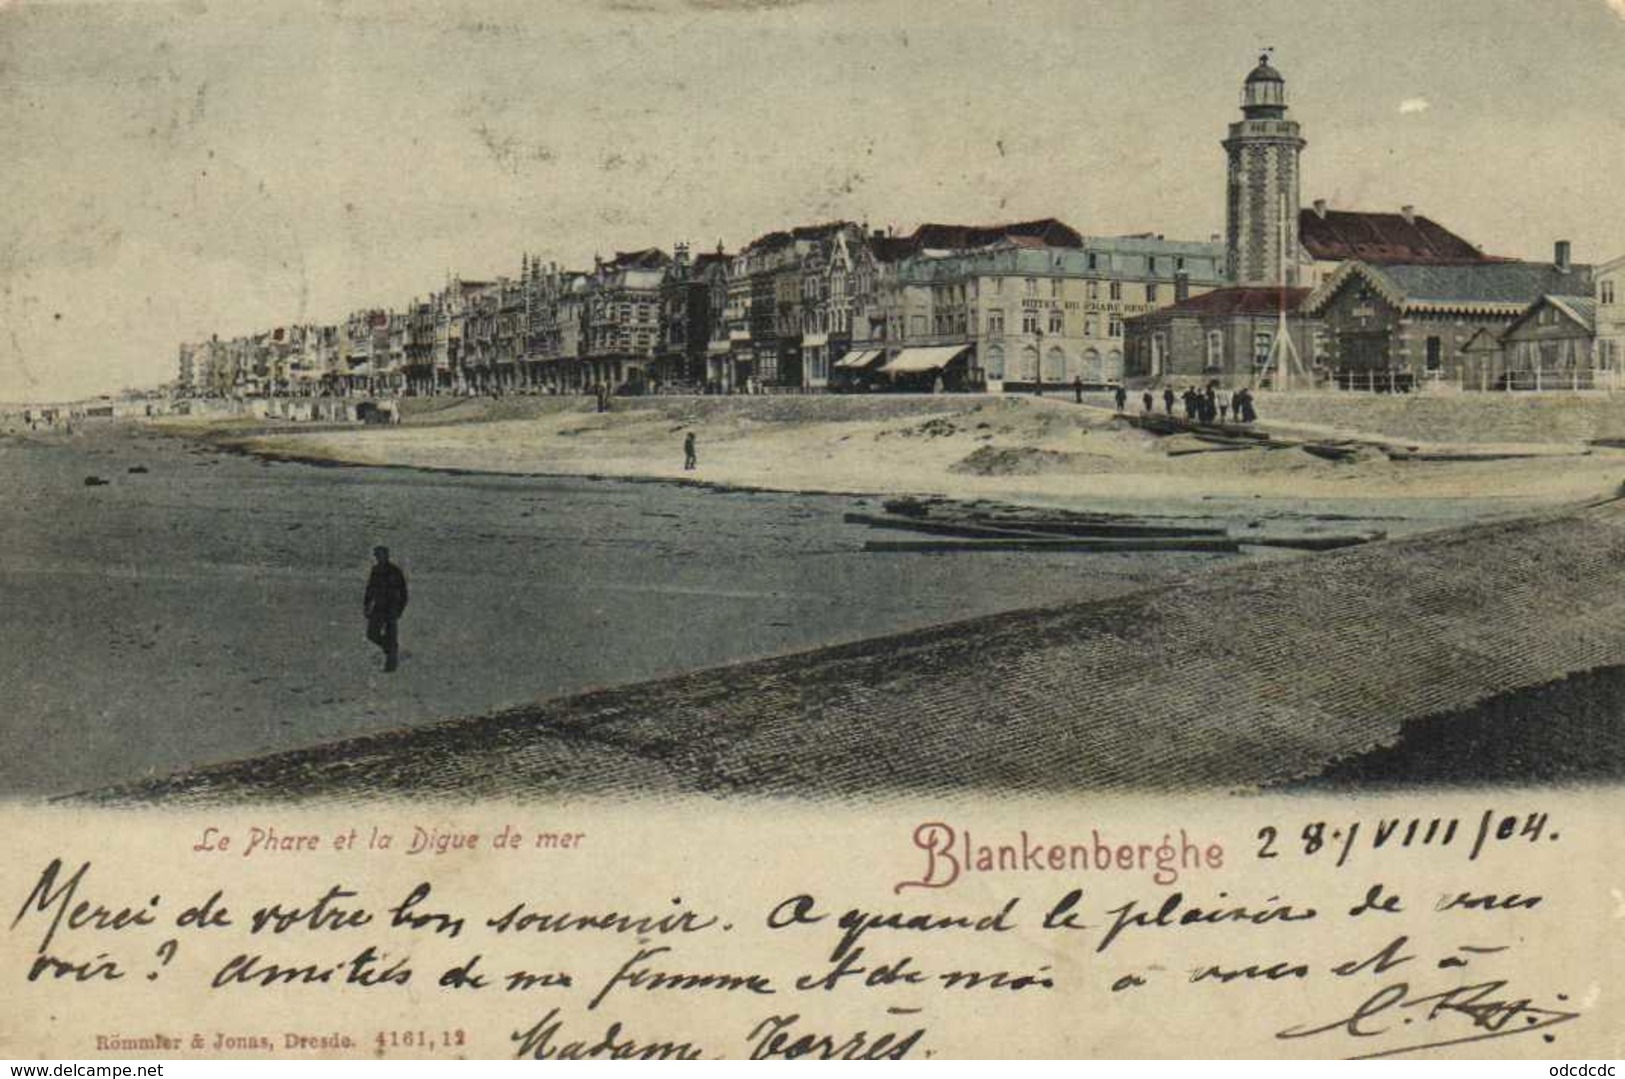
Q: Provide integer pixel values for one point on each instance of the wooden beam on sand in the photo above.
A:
(1332, 451)
(1068, 527)
(1217, 544)
(1469, 455)
(1016, 527)
(1186, 451)
(1315, 543)
(937, 527)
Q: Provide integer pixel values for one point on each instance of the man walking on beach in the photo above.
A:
(690, 458)
(1122, 398)
(384, 602)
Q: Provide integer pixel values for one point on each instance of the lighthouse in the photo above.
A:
(1261, 211)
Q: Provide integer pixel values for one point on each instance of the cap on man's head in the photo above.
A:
(381, 550)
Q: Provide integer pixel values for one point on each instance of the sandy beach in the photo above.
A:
(1037, 450)
(201, 606)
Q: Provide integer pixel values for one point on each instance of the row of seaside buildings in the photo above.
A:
(823, 306)
(1331, 297)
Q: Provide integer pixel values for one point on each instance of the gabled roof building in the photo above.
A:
(1402, 325)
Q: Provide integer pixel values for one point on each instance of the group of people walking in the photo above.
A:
(1209, 404)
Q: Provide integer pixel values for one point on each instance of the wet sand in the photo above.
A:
(208, 609)
(1401, 663)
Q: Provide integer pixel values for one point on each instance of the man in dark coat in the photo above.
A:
(1122, 398)
(384, 602)
(1168, 399)
(691, 458)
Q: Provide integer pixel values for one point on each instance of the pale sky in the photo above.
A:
(175, 169)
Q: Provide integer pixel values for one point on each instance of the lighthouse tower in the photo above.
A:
(1261, 218)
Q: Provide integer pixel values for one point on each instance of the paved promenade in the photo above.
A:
(1259, 675)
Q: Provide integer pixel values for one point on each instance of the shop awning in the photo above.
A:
(916, 360)
(861, 358)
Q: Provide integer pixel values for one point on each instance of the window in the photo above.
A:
(1215, 348)
(1607, 292)
(1094, 262)
(1262, 340)
(995, 362)
(1151, 292)
(1056, 322)
(1055, 366)
(1032, 286)
(1055, 287)
(1117, 290)
(1094, 290)
(1114, 328)
(1435, 354)
(917, 326)
(998, 286)
(1088, 327)
(995, 323)
(1029, 322)
(1179, 263)
(1151, 264)
(1029, 363)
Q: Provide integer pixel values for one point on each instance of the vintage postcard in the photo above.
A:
(812, 529)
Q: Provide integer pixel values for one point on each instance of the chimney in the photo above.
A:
(1182, 286)
(1408, 213)
(1320, 209)
(1561, 257)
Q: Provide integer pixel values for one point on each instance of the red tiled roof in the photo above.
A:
(818, 232)
(1050, 231)
(891, 248)
(650, 258)
(1237, 301)
(1342, 235)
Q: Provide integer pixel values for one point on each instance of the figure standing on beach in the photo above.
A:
(1077, 389)
(1168, 399)
(1122, 398)
(383, 605)
(1148, 402)
(690, 458)
(1245, 412)
(1222, 397)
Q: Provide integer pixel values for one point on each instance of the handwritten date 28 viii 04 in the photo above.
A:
(1465, 835)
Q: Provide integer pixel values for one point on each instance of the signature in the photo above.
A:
(1492, 1011)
